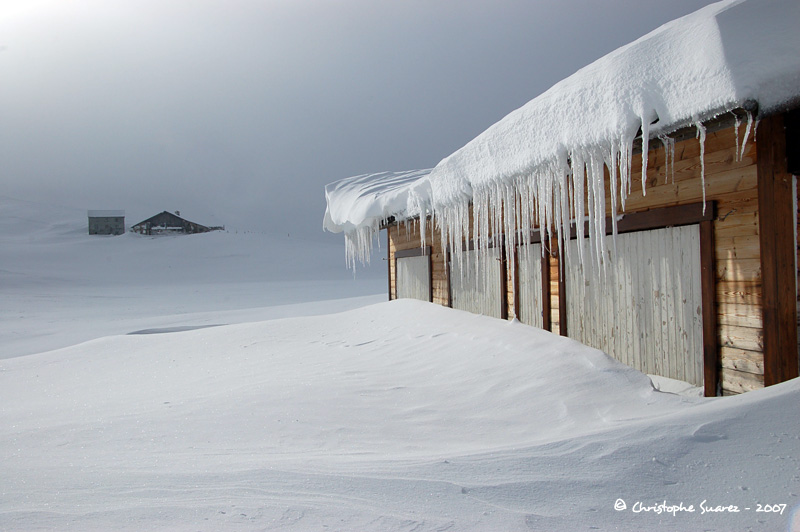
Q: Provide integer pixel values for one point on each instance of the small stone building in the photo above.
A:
(106, 222)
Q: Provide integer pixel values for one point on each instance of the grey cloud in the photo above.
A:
(240, 111)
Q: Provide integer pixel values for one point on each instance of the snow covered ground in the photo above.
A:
(295, 413)
(61, 286)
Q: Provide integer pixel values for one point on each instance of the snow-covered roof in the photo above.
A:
(359, 205)
(705, 63)
(370, 199)
(688, 70)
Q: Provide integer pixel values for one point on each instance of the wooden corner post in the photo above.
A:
(547, 317)
(708, 294)
(389, 259)
(776, 218)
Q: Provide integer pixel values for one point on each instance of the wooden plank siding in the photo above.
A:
(736, 299)
(529, 273)
(732, 184)
(651, 317)
(477, 282)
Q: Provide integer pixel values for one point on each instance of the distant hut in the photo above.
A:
(672, 248)
(167, 222)
(106, 222)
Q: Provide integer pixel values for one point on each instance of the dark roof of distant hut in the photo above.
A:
(170, 221)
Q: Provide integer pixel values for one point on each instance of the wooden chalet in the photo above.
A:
(702, 283)
(724, 312)
(167, 222)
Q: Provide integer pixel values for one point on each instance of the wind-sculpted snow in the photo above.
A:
(397, 416)
(359, 205)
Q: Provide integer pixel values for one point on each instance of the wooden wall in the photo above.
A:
(731, 183)
(407, 236)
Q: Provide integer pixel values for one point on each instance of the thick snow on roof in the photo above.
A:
(705, 63)
(369, 199)
(358, 205)
(554, 148)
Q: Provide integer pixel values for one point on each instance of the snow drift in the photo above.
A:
(398, 416)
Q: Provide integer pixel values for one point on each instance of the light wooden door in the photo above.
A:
(530, 285)
(644, 308)
(414, 277)
(476, 282)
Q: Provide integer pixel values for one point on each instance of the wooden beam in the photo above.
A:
(562, 297)
(430, 276)
(413, 252)
(517, 302)
(778, 252)
(389, 259)
(793, 141)
(688, 214)
(504, 282)
(449, 260)
(708, 296)
(546, 307)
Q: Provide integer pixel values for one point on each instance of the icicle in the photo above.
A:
(612, 164)
(563, 227)
(358, 244)
(625, 153)
(701, 134)
(577, 204)
(541, 203)
(598, 176)
(736, 124)
(669, 156)
(645, 149)
(747, 134)
(590, 207)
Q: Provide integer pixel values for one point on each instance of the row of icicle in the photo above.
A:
(545, 198)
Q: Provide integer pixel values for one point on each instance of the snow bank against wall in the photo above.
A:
(346, 422)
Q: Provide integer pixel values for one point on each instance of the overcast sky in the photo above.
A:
(238, 112)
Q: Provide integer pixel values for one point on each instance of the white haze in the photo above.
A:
(239, 112)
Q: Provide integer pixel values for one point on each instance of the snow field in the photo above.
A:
(61, 286)
(233, 395)
(395, 416)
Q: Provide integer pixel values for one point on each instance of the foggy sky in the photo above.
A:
(238, 112)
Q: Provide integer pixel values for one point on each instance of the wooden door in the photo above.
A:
(414, 277)
(530, 285)
(476, 282)
(645, 307)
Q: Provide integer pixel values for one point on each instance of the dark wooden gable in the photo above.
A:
(173, 221)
